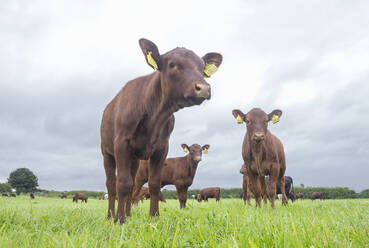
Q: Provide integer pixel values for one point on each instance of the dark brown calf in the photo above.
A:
(80, 196)
(262, 152)
(317, 195)
(145, 194)
(207, 193)
(246, 194)
(63, 196)
(137, 123)
(299, 196)
(5, 195)
(178, 171)
(12, 195)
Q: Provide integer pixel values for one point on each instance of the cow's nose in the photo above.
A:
(197, 158)
(259, 137)
(202, 90)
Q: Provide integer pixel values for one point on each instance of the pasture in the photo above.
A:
(54, 222)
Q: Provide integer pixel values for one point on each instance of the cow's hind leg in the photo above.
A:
(255, 187)
(109, 165)
(283, 190)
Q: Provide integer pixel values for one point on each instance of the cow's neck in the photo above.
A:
(192, 165)
(257, 153)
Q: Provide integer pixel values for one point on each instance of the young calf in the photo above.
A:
(207, 193)
(178, 171)
(246, 194)
(137, 123)
(262, 152)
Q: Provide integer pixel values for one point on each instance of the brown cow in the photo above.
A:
(12, 195)
(178, 171)
(246, 194)
(207, 193)
(299, 196)
(63, 196)
(137, 123)
(145, 194)
(5, 195)
(317, 195)
(263, 153)
(80, 196)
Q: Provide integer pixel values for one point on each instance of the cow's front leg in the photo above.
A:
(182, 195)
(263, 189)
(134, 167)
(283, 190)
(156, 164)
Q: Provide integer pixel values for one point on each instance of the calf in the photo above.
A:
(63, 196)
(299, 196)
(246, 194)
(80, 196)
(288, 187)
(5, 195)
(32, 196)
(263, 153)
(317, 195)
(207, 193)
(178, 171)
(137, 123)
(145, 194)
(12, 195)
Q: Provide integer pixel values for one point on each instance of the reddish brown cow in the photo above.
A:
(317, 195)
(263, 153)
(207, 193)
(4, 194)
(145, 194)
(299, 196)
(137, 123)
(178, 171)
(246, 194)
(12, 195)
(80, 196)
(63, 196)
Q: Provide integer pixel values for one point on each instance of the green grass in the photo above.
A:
(52, 222)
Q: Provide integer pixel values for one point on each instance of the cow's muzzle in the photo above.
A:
(258, 137)
(202, 90)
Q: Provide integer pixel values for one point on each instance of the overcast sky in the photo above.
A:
(61, 62)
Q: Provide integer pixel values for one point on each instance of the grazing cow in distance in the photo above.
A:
(12, 195)
(32, 196)
(63, 196)
(263, 153)
(178, 171)
(246, 194)
(80, 196)
(299, 196)
(137, 123)
(207, 193)
(145, 194)
(288, 187)
(317, 195)
(175, 197)
(5, 195)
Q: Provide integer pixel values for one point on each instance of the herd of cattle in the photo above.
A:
(137, 123)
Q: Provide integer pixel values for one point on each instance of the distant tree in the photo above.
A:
(5, 187)
(364, 194)
(23, 180)
(302, 185)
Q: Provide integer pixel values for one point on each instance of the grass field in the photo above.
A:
(51, 222)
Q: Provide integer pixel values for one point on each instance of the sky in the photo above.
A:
(63, 61)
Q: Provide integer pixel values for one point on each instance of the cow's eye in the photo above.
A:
(171, 65)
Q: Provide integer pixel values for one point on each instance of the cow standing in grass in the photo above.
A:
(205, 194)
(179, 171)
(299, 196)
(145, 194)
(288, 187)
(80, 196)
(137, 123)
(263, 153)
(317, 195)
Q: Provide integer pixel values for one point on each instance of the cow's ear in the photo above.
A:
(275, 115)
(205, 148)
(212, 63)
(185, 147)
(239, 115)
(151, 52)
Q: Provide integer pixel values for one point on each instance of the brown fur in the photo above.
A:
(263, 154)
(178, 171)
(246, 194)
(207, 193)
(12, 195)
(317, 195)
(80, 196)
(5, 195)
(145, 194)
(63, 196)
(137, 123)
(299, 196)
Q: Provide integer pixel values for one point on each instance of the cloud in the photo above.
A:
(63, 62)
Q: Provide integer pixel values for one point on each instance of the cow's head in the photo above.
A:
(257, 122)
(182, 73)
(195, 151)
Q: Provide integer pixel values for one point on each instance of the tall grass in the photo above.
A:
(51, 222)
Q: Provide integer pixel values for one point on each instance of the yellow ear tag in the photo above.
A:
(239, 119)
(275, 119)
(210, 69)
(151, 61)
(206, 151)
(185, 149)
